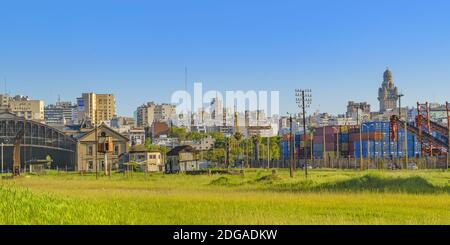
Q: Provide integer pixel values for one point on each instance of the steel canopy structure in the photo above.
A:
(37, 142)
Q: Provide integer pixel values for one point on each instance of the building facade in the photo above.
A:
(88, 156)
(151, 112)
(60, 113)
(361, 109)
(22, 106)
(181, 159)
(387, 93)
(136, 136)
(96, 107)
(203, 144)
(148, 161)
(37, 142)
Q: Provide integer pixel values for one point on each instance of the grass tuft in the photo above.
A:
(220, 181)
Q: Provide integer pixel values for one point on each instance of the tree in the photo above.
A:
(148, 142)
(218, 136)
(256, 141)
(195, 136)
(176, 132)
(216, 155)
(274, 146)
(49, 160)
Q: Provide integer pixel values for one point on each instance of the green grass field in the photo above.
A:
(327, 197)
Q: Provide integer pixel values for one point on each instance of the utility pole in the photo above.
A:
(369, 156)
(447, 105)
(405, 153)
(311, 141)
(338, 134)
(400, 117)
(324, 145)
(2, 157)
(96, 150)
(360, 141)
(291, 151)
(304, 102)
(268, 152)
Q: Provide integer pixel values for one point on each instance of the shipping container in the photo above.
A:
(376, 141)
(327, 130)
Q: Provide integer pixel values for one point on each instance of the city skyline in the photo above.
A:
(131, 49)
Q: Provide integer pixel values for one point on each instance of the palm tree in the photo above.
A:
(227, 151)
(238, 136)
(256, 141)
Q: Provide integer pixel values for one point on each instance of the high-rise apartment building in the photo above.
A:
(60, 113)
(96, 107)
(151, 112)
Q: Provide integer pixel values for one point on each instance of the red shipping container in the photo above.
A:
(328, 130)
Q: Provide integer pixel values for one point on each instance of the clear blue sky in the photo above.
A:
(138, 49)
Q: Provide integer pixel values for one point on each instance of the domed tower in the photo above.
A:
(387, 93)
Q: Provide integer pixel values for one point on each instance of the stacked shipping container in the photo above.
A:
(377, 142)
(345, 142)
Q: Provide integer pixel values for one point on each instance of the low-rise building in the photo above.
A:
(159, 128)
(166, 141)
(147, 160)
(202, 145)
(181, 159)
(87, 149)
(23, 107)
(136, 136)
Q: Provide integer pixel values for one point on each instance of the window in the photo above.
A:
(89, 150)
(90, 165)
(116, 150)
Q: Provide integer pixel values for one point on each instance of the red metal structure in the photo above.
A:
(427, 140)
(424, 129)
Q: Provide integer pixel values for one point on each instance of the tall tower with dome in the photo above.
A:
(387, 93)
